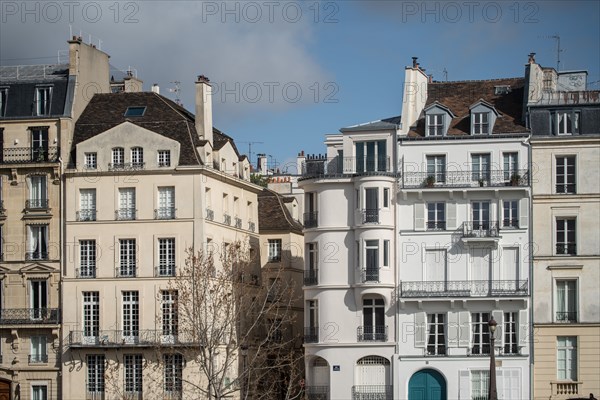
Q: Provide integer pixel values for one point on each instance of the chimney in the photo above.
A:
(531, 58)
(415, 62)
(155, 88)
(204, 124)
(262, 164)
(300, 160)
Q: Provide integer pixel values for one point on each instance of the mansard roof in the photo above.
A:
(273, 215)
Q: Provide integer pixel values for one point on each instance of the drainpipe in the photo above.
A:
(396, 254)
(530, 255)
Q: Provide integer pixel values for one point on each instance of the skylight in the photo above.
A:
(135, 111)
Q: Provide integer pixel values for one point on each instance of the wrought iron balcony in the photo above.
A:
(510, 223)
(311, 277)
(377, 333)
(210, 214)
(370, 275)
(317, 392)
(436, 350)
(238, 222)
(227, 219)
(569, 249)
(311, 334)
(370, 216)
(29, 155)
(37, 255)
(323, 167)
(566, 316)
(125, 214)
(311, 219)
(38, 359)
(164, 213)
(86, 215)
(88, 272)
(251, 226)
(485, 288)
(372, 392)
(165, 270)
(118, 338)
(480, 230)
(126, 166)
(29, 316)
(457, 179)
(37, 204)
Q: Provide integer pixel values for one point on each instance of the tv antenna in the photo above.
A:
(445, 72)
(250, 149)
(177, 91)
(558, 49)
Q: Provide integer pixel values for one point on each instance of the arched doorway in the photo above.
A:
(4, 390)
(318, 388)
(427, 384)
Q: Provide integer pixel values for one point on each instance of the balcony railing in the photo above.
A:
(457, 179)
(86, 215)
(37, 255)
(317, 392)
(238, 222)
(125, 214)
(510, 223)
(480, 349)
(436, 225)
(38, 359)
(566, 316)
(372, 392)
(26, 316)
(480, 229)
(126, 166)
(164, 213)
(569, 249)
(311, 277)
(117, 338)
(126, 271)
(485, 288)
(370, 216)
(370, 275)
(86, 273)
(251, 226)
(37, 204)
(29, 155)
(227, 219)
(341, 166)
(377, 333)
(210, 214)
(165, 270)
(311, 334)
(95, 396)
(565, 388)
(311, 219)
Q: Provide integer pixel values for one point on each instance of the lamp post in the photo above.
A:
(492, 394)
(244, 352)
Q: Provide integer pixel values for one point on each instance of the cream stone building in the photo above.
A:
(565, 150)
(38, 107)
(147, 181)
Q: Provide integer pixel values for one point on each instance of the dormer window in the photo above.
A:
(42, 100)
(481, 125)
(566, 122)
(483, 117)
(503, 89)
(3, 100)
(135, 111)
(435, 125)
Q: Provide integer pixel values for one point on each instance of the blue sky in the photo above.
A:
(347, 57)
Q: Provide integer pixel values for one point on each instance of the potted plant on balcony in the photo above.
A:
(515, 179)
(429, 181)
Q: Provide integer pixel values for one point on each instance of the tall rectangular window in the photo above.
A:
(133, 374)
(371, 269)
(131, 316)
(95, 374)
(166, 257)
(170, 320)
(371, 211)
(38, 352)
(479, 384)
(480, 167)
(511, 165)
(371, 156)
(386, 197)
(38, 197)
(566, 239)
(481, 215)
(436, 168)
(38, 299)
(127, 257)
(43, 96)
(37, 242)
(386, 253)
(566, 358)
(511, 346)
(173, 374)
(373, 320)
(87, 259)
(435, 124)
(274, 250)
(166, 203)
(510, 214)
(311, 332)
(137, 157)
(164, 158)
(90, 160)
(481, 125)
(566, 300)
(87, 205)
(91, 315)
(565, 175)
(481, 333)
(436, 341)
(436, 216)
(127, 209)
(118, 158)
(39, 144)
(3, 101)
(39, 392)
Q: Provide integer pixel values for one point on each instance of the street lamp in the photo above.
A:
(492, 394)
(244, 352)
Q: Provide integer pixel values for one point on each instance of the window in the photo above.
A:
(166, 203)
(374, 328)
(91, 316)
(371, 211)
(435, 124)
(566, 358)
(480, 167)
(135, 111)
(565, 175)
(127, 262)
(87, 205)
(436, 216)
(312, 263)
(436, 341)
(137, 157)
(481, 124)
(481, 333)
(133, 373)
(38, 352)
(173, 374)
(39, 144)
(127, 209)
(166, 257)
(311, 332)
(386, 197)
(386, 253)
(37, 236)
(164, 158)
(371, 156)
(371, 270)
(90, 160)
(131, 316)
(510, 214)
(3, 101)
(170, 319)
(481, 215)
(274, 250)
(118, 158)
(566, 123)
(511, 166)
(511, 345)
(436, 167)
(95, 374)
(42, 100)
(39, 392)
(38, 198)
(566, 241)
(566, 300)
(479, 384)
(87, 259)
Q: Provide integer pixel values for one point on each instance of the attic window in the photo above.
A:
(504, 89)
(135, 111)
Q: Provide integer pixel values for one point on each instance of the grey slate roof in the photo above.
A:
(273, 215)
(386, 123)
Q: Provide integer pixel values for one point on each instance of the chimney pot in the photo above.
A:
(203, 78)
(531, 58)
(414, 63)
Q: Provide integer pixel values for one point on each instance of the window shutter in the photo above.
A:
(419, 216)
(420, 329)
(464, 321)
(524, 330)
(464, 388)
(523, 213)
(453, 329)
(450, 215)
(498, 315)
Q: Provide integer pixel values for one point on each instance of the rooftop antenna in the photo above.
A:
(558, 49)
(445, 71)
(250, 149)
(177, 91)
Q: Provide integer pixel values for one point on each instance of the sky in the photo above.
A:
(286, 73)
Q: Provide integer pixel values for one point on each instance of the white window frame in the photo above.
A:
(569, 350)
(91, 316)
(564, 122)
(166, 256)
(137, 157)
(569, 181)
(87, 204)
(275, 250)
(481, 333)
(37, 236)
(567, 304)
(43, 100)
(374, 310)
(510, 333)
(481, 166)
(170, 316)
(127, 257)
(38, 353)
(435, 124)
(436, 334)
(127, 204)
(510, 214)
(510, 164)
(386, 253)
(43, 387)
(133, 381)
(130, 300)
(436, 167)
(87, 258)
(164, 158)
(563, 247)
(166, 202)
(436, 209)
(173, 374)
(90, 160)
(481, 123)
(118, 157)
(96, 366)
(479, 384)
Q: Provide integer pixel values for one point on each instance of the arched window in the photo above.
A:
(372, 378)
